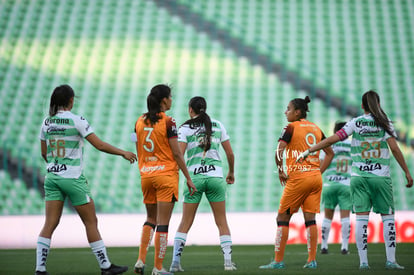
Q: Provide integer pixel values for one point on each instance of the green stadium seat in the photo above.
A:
(113, 53)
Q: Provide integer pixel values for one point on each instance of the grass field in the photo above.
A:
(204, 260)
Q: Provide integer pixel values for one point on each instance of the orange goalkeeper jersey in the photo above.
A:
(154, 152)
(300, 136)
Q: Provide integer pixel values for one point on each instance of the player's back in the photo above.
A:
(304, 135)
(199, 162)
(339, 170)
(155, 156)
(369, 148)
(64, 135)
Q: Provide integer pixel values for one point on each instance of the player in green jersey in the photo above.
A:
(61, 141)
(201, 137)
(336, 192)
(373, 137)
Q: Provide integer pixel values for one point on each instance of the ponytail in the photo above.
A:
(199, 106)
(371, 104)
(302, 105)
(60, 98)
(157, 94)
(154, 108)
(338, 126)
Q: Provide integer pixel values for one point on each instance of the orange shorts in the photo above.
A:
(160, 188)
(302, 192)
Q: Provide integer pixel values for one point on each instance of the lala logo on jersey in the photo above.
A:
(57, 168)
(204, 169)
(337, 178)
(369, 166)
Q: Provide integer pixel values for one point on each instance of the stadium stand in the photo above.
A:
(248, 58)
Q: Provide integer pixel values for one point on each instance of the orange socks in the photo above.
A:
(282, 236)
(312, 237)
(160, 242)
(146, 237)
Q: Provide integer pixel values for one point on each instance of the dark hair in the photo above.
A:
(157, 94)
(60, 98)
(338, 126)
(199, 106)
(371, 104)
(302, 105)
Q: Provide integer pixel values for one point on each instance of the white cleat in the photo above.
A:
(176, 267)
(230, 266)
(139, 267)
(155, 271)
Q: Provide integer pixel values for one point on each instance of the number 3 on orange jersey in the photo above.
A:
(149, 140)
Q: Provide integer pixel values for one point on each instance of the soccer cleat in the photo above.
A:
(230, 266)
(176, 267)
(364, 266)
(324, 251)
(139, 267)
(311, 265)
(273, 265)
(344, 251)
(391, 265)
(162, 271)
(41, 272)
(113, 270)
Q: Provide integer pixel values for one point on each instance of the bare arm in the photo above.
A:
(183, 147)
(43, 149)
(321, 145)
(108, 148)
(396, 152)
(179, 158)
(230, 159)
(281, 146)
(329, 154)
(324, 143)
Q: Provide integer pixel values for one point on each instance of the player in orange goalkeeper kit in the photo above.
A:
(302, 181)
(159, 157)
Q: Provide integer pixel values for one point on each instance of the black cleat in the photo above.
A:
(41, 273)
(344, 252)
(114, 269)
(324, 251)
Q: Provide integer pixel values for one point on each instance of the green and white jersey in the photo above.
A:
(64, 134)
(369, 149)
(198, 163)
(339, 171)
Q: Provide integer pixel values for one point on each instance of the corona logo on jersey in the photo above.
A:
(56, 121)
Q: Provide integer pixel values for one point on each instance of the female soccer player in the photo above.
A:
(336, 191)
(158, 157)
(61, 140)
(202, 137)
(373, 136)
(302, 182)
